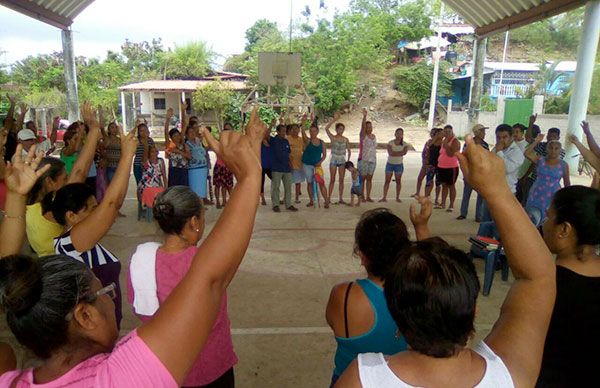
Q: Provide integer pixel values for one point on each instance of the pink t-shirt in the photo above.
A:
(217, 356)
(445, 160)
(131, 364)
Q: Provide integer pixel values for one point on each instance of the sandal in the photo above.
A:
(438, 206)
(450, 210)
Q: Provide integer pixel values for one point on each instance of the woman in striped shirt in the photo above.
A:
(74, 206)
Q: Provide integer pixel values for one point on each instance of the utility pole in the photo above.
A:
(436, 71)
(477, 83)
(70, 75)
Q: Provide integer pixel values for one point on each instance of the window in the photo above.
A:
(160, 104)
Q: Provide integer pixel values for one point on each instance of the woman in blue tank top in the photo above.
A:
(357, 311)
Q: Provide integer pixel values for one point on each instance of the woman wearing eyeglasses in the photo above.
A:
(86, 222)
(39, 297)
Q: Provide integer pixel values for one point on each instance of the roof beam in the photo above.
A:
(543, 11)
(36, 11)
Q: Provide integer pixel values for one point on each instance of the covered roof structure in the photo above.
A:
(493, 16)
(58, 13)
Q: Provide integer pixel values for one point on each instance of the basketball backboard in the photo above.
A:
(281, 69)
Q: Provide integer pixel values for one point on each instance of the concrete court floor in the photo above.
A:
(277, 299)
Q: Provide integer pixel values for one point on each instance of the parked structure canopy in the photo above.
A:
(493, 16)
(58, 13)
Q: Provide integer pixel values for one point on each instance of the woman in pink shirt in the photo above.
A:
(448, 167)
(179, 213)
(57, 308)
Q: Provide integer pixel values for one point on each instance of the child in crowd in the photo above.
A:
(154, 173)
(356, 190)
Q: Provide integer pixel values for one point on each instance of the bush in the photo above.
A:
(415, 82)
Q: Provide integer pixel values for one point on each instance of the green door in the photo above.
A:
(518, 110)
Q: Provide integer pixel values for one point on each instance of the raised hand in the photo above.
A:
(88, 114)
(336, 116)
(482, 169)
(241, 153)
(422, 217)
(574, 139)
(532, 119)
(365, 112)
(169, 113)
(21, 175)
(539, 138)
(24, 108)
(11, 99)
(129, 142)
(585, 126)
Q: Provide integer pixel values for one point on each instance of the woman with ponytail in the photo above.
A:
(41, 227)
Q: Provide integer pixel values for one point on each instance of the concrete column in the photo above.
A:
(538, 104)
(500, 109)
(476, 83)
(586, 54)
(70, 75)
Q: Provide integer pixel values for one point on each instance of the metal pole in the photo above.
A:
(503, 60)
(477, 83)
(472, 69)
(586, 54)
(123, 111)
(70, 75)
(436, 70)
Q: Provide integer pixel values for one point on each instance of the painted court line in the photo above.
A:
(281, 330)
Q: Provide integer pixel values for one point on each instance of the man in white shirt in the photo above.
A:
(510, 152)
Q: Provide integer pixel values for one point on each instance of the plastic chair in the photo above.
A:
(495, 259)
(145, 206)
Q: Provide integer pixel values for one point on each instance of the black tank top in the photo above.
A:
(573, 340)
(434, 154)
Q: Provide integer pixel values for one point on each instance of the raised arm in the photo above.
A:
(420, 220)
(166, 126)
(88, 232)
(587, 154)
(529, 131)
(86, 156)
(530, 150)
(594, 147)
(336, 117)
(21, 118)
(184, 118)
(519, 334)
(451, 148)
(178, 331)
(363, 125)
(11, 114)
(20, 176)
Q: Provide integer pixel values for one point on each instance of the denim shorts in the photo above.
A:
(298, 176)
(356, 190)
(309, 172)
(395, 168)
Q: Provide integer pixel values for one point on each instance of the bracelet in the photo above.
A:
(12, 217)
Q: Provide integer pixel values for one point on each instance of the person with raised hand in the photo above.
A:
(83, 349)
(41, 227)
(19, 177)
(432, 294)
(86, 222)
(340, 154)
(592, 154)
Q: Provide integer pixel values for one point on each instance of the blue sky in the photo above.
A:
(105, 25)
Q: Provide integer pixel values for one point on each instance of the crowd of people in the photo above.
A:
(408, 322)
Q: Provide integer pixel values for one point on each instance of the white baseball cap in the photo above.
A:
(26, 134)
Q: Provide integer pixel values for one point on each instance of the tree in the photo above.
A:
(261, 29)
(191, 61)
(415, 82)
(214, 96)
(145, 60)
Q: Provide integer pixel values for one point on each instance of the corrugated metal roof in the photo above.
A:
(493, 16)
(59, 13)
(178, 85)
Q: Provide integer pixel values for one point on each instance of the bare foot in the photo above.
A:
(383, 200)
(398, 200)
(369, 200)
